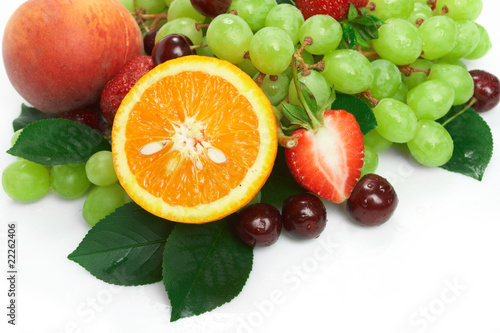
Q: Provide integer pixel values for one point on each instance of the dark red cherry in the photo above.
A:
(304, 216)
(211, 8)
(373, 201)
(486, 90)
(149, 41)
(259, 224)
(170, 47)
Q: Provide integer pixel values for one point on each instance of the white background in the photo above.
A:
(432, 268)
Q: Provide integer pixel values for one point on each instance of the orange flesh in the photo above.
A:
(192, 114)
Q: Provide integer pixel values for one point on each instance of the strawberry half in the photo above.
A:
(328, 161)
(338, 9)
(115, 89)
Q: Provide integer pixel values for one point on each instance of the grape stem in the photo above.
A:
(467, 106)
(366, 94)
(200, 26)
(407, 70)
(141, 16)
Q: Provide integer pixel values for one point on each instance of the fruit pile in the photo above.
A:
(195, 116)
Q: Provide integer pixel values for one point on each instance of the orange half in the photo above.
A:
(194, 140)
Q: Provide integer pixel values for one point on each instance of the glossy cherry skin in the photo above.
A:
(304, 216)
(259, 224)
(170, 47)
(149, 41)
(373, 201)
(486, 90)
(211, 8)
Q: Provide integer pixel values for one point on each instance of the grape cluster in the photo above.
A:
(411, 75)
(26, 181)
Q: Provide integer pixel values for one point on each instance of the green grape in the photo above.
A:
(228, 36)
(439, 37)
(455, 62)
(385, 9)
(376, 141)
(467, 40)
(15, 136)
(398, 41)
(254, 12)
(316, 83)
(70, 180)
(100, 169)
(205, 50)
(483, 45)
(431, 99)
(247, 66)
(460, 9)
(275, 87)
(348, 71)
(415, 78)
(286, 17)
(150, 6)
(169, 2)
(420, 13)
(25, 181)
(432, 144)
(396, 121)
(183, 8)
(325, 31)
(457, 77)
(370, 161)
(400, 95)
(102, 201)
(386, 79)
(129, 4)
(185, 26)
(271, 50)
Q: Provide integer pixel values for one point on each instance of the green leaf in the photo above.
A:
(349, 35)
(363, 113)
(126, 247)
(375, 20)
(27, 116)
(353, 12)
(280, 184)
(204, 266)
(296, 115)
(58, 141)
(472, 140)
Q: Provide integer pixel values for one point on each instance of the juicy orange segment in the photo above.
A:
(194, 140)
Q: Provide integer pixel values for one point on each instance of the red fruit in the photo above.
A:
(338, 9)
(115, 89)
(328, 161)
(85, 116)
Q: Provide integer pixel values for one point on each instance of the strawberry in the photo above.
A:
(327, 161)
(338, 9)
(324, 150)
(115, 89)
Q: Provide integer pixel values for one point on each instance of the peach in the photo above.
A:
(59, 54)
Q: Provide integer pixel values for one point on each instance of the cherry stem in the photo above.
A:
(467, 107)
(407, 70)
(194, 47)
